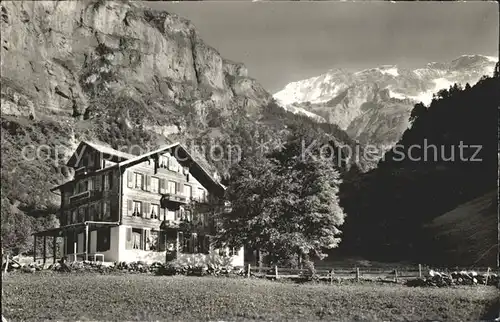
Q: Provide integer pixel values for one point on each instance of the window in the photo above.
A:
(82, 214)
(203, 219)
(82, 186)
(201, 194)
(152, 241)
(233, 251)
(91, 212)
(172, 164)
(155, 211)
(74, 215)
(103, 239)
(188, 191)
(163, 161)
(138, 181)
(184, 215)
(136, 238)
(155, 185)
(171, 187)
(137, 208)
(86, 160)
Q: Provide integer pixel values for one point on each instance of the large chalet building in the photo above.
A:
(122, 207)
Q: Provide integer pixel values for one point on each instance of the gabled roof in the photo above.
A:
(107, 151)
(129, 160)
(185, 159)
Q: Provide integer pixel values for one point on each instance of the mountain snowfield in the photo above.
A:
(373, 105)
(433, 77)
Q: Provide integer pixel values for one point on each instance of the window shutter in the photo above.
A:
(96, 183)
(128, 244)
(130, 204)
(181, 242)
(162, 214)
(130, 179)
(206, 248)
(147, 238)
(148, 183)
(146, 210)
(162, 185)
(91, 212)
(178, 188)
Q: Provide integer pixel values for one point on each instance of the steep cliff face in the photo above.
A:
(57, 57)
(115, 72)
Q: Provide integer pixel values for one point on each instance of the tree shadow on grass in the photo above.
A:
(492, 311)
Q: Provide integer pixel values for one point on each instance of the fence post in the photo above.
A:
(396, 275)
(248, 271)
(6, 264)
(487, 276)
(331, 276)
(357, 274)
(420, 270)
(276, 271)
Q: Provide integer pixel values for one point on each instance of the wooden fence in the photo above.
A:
(357, 273)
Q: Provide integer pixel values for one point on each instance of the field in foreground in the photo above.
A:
(144, 297)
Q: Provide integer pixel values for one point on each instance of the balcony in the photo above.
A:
(79, 197)
(85, 196)
(80, 172)
(173, 201)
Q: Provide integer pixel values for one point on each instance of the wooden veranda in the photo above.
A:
(64, 232)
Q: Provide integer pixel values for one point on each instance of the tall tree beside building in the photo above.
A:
(285, 203)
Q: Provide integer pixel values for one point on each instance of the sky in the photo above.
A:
(281, 42)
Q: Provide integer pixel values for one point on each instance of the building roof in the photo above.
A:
(110, 153)
(128, 160)
(101, 147)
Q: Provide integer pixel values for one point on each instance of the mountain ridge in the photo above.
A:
(373, 105)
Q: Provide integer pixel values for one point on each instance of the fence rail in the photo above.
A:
(354, 272)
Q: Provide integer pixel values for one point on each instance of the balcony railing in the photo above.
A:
(79, 196)
(173, 201)
(175, 197)
(82, 196)
(81, 171)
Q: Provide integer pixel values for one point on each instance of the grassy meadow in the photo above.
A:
(44, 296)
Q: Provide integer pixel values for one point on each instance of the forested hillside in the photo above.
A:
(388, 208)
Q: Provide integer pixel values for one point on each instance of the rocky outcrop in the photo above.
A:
(59, 56)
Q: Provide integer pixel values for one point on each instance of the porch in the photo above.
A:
(71, 235)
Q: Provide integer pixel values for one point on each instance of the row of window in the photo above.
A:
(145, 239)
(99, 211)
(170, 163)
(98, 183)
(152, 184)
(154, 211)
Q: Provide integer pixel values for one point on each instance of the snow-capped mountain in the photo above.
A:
(373, 105)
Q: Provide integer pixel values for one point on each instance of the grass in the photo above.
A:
(45, 296)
